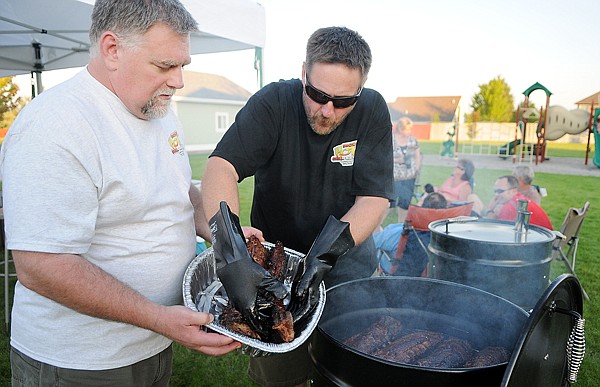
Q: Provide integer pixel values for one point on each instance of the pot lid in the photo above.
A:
(551, 346)
(491, 231)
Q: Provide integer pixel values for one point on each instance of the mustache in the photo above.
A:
(167, 91)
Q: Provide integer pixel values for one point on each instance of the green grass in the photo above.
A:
(194, 369)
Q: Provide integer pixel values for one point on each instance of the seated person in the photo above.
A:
(525, 174)
(503, 205)
(411, 256)
(435, 200)
(457, 187)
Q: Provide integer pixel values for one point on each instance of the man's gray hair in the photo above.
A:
(339, 45)
(130, 19)
(525, 172)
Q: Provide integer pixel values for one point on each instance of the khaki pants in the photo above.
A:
(154, 371)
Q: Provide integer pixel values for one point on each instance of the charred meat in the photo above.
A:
(232, 319)
(258, 252)
(451, 352)
(277, 262)
(408, 348)
(283, 324)
(488, 356)
(388, 339)
(280, 328)
(377, 335)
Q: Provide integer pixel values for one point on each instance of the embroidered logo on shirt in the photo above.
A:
(344, 154)
(176, 146)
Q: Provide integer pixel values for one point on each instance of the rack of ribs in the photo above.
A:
(377, 335)
(451, 352)
(489, 356)
(409, 347)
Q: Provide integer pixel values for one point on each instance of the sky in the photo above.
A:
(432, 47)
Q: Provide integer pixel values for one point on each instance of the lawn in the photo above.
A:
(194, 369)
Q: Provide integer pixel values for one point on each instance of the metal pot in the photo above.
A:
(494, 256)
(480, 317)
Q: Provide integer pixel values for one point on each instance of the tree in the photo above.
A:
(10, 102)
(494, 101)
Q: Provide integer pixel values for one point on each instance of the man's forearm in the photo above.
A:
(219, 183)
(365, 215)
(82, 286)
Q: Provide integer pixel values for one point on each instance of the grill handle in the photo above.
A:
(459, 219)
(575, 343)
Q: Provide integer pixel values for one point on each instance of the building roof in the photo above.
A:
(424, 109)
(588, 100)
(211, 86)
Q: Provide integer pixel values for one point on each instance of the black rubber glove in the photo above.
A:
(333, 241)
(246, 282)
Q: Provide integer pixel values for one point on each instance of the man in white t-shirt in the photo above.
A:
(99, 210)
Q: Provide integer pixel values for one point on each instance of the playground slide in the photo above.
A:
(508, 148)
(562, 121)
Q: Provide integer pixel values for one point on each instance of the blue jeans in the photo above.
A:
(154, 371)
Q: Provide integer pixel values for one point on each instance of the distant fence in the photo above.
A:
(493, 132)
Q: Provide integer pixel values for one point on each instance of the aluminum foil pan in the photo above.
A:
(203, 292)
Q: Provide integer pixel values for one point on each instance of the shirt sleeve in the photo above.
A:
(374, 172)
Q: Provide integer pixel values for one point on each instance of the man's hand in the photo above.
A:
(182, 325)
(240, 275)
(333, 241)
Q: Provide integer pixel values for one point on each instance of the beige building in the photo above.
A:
(206, 107)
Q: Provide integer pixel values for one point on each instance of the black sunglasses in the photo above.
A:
(499, 191)
(323, 98)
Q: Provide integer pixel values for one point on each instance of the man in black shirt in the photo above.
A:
(316, 147)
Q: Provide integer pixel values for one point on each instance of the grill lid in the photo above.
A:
(551, 347)
(489, 231)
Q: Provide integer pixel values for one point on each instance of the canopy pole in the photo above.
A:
(38, 81)
(258, 65)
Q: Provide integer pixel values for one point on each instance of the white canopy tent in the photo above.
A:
(37, 35)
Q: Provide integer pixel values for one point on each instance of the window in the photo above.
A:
(222, 122)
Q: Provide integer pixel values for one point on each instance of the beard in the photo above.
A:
(158, 107)
(322, 125)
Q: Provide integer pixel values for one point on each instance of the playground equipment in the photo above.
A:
(524, 115)
(596, 139)
(449, 147)
(562, 121)
(553, 123)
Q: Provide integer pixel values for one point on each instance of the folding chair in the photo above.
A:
(411, 257)
(565, 247)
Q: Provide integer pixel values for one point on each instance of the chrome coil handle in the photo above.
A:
(575, 342)
(576, 349)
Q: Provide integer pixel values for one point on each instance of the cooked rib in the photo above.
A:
(283, 323)
(489, 356)
(257, 251)
(377, 335)
(277, 262)
(232, 319)
(451, 352)
(409, 347)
